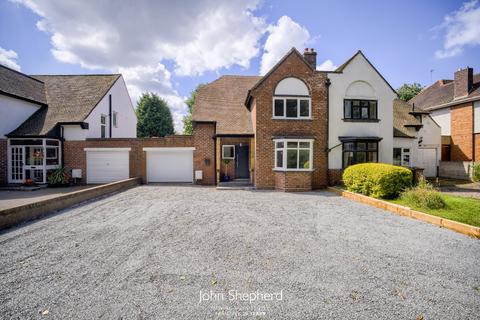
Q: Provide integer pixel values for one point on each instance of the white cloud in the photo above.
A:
(9, 58)
(137, 37)
(462, 29)
(282, 37)
(326, 65)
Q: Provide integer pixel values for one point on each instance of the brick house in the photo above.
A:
(455, 106)
(296, 128)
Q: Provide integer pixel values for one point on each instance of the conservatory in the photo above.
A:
(33, 159)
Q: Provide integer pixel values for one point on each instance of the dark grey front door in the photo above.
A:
(241, 167)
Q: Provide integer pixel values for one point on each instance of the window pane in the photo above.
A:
(372, 157)
(364, 103)
(305, 145)
(304, 108)
(279, 108)
(373, 109)
(348, 146)
(279, 163)
(304, 159)
(406, 159)
(356, 113)
(406, 150)
(280, 144)
(292, 144)
(372, 146)
(361, 146)
(292, 108)
(364, 113)
(347, 159)
(51, 152)
(347, 107)
(356, 103)
(397, 156)
(103, 120)
(361, 157)
(228, 152)
(102, 129)
(292, 159)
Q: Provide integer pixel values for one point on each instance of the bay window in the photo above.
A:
(293, 155)
(359, 151)
(291, 107)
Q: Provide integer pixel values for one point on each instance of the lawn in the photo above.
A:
(461, 209)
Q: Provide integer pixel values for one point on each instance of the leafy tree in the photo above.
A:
(408, 91)
(187, 119)
(154, 116)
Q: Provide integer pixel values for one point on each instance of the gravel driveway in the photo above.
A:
(152, 251)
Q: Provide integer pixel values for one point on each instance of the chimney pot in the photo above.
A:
(463, 82)
(311, 56)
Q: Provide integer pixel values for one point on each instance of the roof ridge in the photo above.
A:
(73, 75)
(20, 73)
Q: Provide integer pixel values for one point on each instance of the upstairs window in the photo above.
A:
(291, 100)
(355, 109)
(103, 126)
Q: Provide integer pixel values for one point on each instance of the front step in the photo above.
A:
(237, 184)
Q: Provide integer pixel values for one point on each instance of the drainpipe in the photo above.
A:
(110, 114)
(328, 83)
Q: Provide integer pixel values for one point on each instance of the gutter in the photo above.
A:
(453, 103)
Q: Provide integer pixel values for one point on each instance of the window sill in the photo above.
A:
(292, 170)
(301, 119)
(361, 120)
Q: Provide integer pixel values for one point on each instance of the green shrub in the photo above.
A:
(379, 180)
(59, 177)
(424, 195)
(476, 172)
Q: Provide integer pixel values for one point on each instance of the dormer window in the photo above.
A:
(291, 100)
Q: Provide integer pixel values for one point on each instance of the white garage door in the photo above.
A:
(427, 159)
(107, 164)
(169, 164)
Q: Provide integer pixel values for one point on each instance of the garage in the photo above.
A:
(107, 164)
(428, 159)
(169, 164)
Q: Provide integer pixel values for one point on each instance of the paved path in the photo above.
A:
(150, 251)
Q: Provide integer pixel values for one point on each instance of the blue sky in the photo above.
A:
(169, 48)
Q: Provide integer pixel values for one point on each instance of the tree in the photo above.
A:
(187, 119)
(154, 117)
(408, 91)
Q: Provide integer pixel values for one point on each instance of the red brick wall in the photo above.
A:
(75, 157)
(266, 127)
(462, 132)
(3, 162)
(335, 176)
(204, 154)
(293, 181)
(477, 147)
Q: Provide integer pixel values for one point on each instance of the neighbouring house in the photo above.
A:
(297, 128)
(455, 106)
(39, 113)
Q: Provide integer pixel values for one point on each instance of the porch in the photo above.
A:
(235, 156)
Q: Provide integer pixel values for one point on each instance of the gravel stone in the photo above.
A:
(148, 252)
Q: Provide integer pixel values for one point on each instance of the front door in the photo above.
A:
(242, 167)
(34, 164)
(16, 165)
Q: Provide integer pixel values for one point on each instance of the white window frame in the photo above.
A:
(284, 156)
(402, 154)
(56, 152)
(115, 119)
(223, 151)
(103, 125)
(298, 98)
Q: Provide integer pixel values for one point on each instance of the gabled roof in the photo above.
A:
(222, 101)
(441, 94)
(19, 85)
(404, 122)
(342, 67)
(70, 98)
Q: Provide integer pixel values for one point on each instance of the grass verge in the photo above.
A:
(461, 209)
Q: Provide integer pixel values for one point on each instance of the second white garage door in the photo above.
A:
(107, 164)
(169, 164)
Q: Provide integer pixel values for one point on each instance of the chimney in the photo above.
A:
(463, 81)
(311, 56)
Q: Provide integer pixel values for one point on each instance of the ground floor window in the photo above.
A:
(295, 155)
(32, 159)
(228, 152)
(359, 152)
(401, 157)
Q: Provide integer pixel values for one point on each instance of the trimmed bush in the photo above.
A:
(378, 180)
(476, 172)
(424, 195)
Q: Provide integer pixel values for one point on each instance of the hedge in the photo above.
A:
(378, 180)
